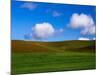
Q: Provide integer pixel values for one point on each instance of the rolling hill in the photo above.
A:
(37, 57)
(33, 46)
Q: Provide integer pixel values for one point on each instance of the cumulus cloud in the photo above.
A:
(89, 30)
(83, 21)
(83, 38)
(43, 30)
(29, 6)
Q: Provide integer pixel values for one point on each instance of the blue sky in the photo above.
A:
(52, 22)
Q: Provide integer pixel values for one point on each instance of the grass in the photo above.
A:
(53, 58)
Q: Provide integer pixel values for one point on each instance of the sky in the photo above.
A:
(40, 21)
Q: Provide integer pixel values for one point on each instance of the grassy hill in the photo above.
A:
(29, 46)
(35, 57)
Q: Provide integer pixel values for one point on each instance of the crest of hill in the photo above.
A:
(59, 46)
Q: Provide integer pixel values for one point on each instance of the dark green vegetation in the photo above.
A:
(35, 57)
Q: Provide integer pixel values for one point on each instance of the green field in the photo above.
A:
(36, 57)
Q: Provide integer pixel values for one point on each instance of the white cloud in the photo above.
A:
(89, 30)
(58, 32)
(61, 30)
(56, 14)
(83, 38)
(29, 6)
(43, 30)
(94, 38)
(83, 21)
(92, 30)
